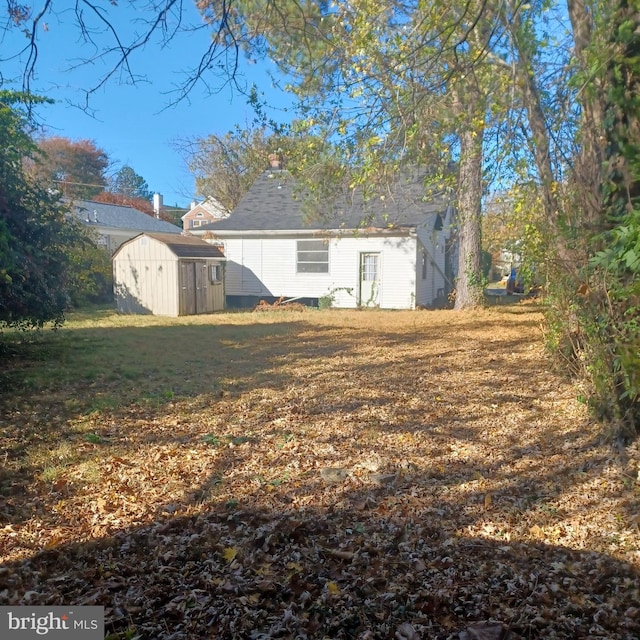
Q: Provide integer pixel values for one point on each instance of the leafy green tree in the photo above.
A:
(584, 122)
(607, 307)
(128, 183)
(395, 85)
(35, 237)
(90, 270)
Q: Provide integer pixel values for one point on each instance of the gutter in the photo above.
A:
(284, 233)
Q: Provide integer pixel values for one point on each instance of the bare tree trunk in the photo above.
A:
(537, 121)
(469, 289)
(588, 166)
(540, 139)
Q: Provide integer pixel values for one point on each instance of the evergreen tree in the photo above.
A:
(129, 184)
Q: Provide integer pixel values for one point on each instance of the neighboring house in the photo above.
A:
(392, 253)
(202, 213)
(114, 224)
(167, 274)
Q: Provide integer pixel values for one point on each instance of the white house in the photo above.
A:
(114, 224)
(390, 252)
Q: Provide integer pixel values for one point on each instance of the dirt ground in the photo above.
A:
(329, 474)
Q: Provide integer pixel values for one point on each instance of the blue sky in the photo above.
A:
(134, 123)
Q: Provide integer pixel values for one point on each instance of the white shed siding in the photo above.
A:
(267, 266)
(155, 289)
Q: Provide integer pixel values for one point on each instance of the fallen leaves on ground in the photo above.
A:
(360, 475)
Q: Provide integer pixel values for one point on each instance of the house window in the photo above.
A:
(216, 273)
(424, 265)
(312, 256)
(102, 241)
(370, 267)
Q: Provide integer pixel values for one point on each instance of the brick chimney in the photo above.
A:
(274, 161)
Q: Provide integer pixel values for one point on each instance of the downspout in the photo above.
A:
(435, 264)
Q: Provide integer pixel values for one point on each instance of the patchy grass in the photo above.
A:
(340, 474)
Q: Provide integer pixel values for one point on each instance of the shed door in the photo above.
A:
(369, 285)
(193, 294)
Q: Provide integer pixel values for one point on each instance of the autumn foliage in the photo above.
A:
(328, 474)
(76, 168)
(141, 204)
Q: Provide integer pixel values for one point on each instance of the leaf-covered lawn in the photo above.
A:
(314, 475)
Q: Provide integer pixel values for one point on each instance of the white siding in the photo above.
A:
(267, 266)
(433, 243)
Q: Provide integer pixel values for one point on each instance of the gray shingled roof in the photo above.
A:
(118, 216)
(274, 204)
(186, 246)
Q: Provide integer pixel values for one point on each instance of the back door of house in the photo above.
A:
(193, 294)
(369, 285)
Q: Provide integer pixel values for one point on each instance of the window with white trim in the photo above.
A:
(216, 273)
(312, 256)
(370, 267)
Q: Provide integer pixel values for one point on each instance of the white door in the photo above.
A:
(369, 290)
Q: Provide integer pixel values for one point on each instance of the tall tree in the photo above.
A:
(35, 237)
(591, 197)
(391, 81)
(128, 183)
(224, 167)
(75, 168)
(608, 309)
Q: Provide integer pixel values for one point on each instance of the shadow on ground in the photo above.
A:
(339, 573)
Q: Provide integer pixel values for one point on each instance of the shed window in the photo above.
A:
(424, 265)
(216, 273)
(312, 256)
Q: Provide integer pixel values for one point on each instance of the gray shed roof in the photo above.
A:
(186, 246)
(274, 204)
(118, 216)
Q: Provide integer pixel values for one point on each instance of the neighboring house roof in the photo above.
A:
(118, 216)
(186, 246)
(274, 204)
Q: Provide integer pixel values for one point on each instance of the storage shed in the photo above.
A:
(168, 275)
